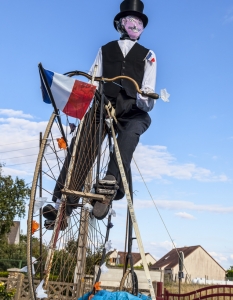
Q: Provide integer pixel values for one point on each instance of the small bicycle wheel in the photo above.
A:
(66, 250)
(129, 282)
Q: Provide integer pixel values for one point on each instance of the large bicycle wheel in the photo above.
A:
(129, 282)
(67, 250)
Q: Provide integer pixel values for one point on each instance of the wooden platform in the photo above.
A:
(83, 194)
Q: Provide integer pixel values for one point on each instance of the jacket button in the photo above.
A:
(124, 61)
(122, 73)
(123, 67)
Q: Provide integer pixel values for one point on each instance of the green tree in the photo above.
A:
(12, 201)
(229, 273)
(11, 255)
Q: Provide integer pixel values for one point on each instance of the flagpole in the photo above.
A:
(44, 80)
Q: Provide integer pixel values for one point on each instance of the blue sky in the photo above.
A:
(185, 156)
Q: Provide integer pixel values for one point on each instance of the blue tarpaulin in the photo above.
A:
(106, 295)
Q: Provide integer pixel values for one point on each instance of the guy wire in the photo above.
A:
(161, 218)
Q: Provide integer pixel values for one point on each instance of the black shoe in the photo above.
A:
(49, 212)
(49, 224)
(107, 186)
(101, 209)
(108, 180)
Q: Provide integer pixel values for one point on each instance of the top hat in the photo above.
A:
(131, 7)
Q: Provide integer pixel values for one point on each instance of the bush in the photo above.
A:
(229, 273)
(4, 274)
(6, 294)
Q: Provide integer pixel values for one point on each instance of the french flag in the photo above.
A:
(71, 96)
(150, 57)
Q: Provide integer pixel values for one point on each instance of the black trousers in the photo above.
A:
(133, 122)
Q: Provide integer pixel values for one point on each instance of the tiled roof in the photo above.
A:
(170, 260)
(136, 256)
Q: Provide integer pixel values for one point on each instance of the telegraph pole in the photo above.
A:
(181, 266)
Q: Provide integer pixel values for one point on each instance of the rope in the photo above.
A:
(188, 275)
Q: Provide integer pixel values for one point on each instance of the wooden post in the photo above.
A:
(154, 284)
(19, 285)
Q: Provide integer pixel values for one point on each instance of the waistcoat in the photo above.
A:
(115, 64)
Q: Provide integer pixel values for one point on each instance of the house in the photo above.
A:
(118, 258)
(198, 263)
(14, 235)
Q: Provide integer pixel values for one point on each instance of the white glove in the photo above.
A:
(143, 102)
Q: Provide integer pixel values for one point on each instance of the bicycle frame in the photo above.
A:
(131, 223)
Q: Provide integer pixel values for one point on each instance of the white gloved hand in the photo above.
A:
(144, 102)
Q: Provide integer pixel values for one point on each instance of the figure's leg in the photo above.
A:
(128, 138)
(86, 152)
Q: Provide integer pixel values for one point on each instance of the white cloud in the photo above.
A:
(184, 215)
(14, 113)
(162, 164)
(19, 145)
(159, 249)
(218, 257)
(175, 205)
(156, 163)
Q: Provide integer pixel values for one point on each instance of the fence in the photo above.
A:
(12, 263)
(216, 292)
(56, 290)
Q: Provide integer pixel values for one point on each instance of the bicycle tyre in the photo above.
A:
(65, 255)
(129, 282)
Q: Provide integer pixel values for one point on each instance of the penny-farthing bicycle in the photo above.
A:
(68, 249)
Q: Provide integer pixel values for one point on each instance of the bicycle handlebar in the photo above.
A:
(151, 95)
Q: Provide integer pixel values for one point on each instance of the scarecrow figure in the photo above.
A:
(124, 57)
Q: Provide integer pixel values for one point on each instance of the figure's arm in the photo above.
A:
(148, 83)
(99, 64)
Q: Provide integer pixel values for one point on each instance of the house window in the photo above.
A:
(114, 260)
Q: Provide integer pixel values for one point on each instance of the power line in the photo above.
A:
(18, 142)
(30, 155)
(19, 149)
(18, 156)
(32, 162)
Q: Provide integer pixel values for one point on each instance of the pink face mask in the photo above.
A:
(133, 26)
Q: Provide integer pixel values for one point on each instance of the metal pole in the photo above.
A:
(40, 195)
(56, 111)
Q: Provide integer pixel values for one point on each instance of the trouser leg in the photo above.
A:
(86, 153)
(127, 139)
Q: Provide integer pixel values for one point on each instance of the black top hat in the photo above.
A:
(131, 7)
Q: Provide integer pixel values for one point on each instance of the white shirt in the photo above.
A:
(149, 78)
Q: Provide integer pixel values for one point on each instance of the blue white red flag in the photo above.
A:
(71, 96)
(150, 57)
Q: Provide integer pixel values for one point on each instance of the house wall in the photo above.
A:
(149, 260)
(112, 258)
(113, 277)
(199, 265)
